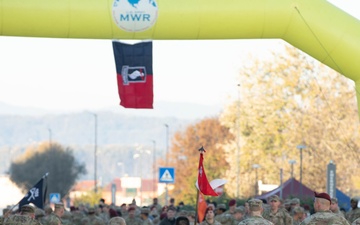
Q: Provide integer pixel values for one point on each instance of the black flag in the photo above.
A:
(35, 194)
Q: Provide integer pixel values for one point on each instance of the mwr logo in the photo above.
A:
(136, 74)
(134, 15)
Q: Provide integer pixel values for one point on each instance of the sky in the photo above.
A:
(79, 74)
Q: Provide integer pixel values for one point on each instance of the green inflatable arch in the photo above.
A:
(314, 26)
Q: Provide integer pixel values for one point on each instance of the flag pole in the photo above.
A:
(197, 205)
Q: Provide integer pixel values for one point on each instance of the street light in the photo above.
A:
(154, 169)
(167, 152)
(301, 147)
(256, 167)
(238, 144)
(49, 137)
(95, 152)
(292, 162)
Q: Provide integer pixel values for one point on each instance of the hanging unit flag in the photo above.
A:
(166, 175)
(36, 194)
(134, 74)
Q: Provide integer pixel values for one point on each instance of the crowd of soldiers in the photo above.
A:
(272, 211)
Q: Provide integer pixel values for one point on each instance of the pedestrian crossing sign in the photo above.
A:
(55, 197)
(167, 175)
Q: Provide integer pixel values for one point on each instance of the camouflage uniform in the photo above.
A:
(356, 222)
(352, 215)
(224, 219)
(205, 222)
(133, 221)
(20, 219)
(281, 217)
(323, 218)
(52, 219)
(259, 220)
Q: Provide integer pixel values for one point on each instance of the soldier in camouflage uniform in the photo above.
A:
(55, 217)
(131, 219)
(334, 207)
(144, 215)
(221, 215)
(276, 214)
(93, 218)
(352, 215)
(117, 220)
(26, 217)
(323, 215)
(238, 215)
(210, 217)
(298, 215)
(255, 218)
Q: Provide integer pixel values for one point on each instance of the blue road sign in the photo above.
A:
(55, 197)
(167, 175)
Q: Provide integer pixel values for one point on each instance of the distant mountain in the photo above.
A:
(161, 109)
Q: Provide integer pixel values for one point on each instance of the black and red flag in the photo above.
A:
(134, 74)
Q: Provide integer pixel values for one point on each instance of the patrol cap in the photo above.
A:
(59, 205)
(91, 210)
(274, 198)
(295, 201)
(221, 206)
(145, 210)
(298, 209)
(27, 209)
(182, 220)
(334, 200)
(39, 213)
(255, 204)
(240, 209)
(323, 195)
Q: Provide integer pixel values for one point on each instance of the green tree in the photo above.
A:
(288, 100)
(184, 156)
(63, 169)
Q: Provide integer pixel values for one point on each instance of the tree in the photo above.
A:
(288, 100)
(63, 169)
(184, 156)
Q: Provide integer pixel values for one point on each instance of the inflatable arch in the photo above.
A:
(314, 26)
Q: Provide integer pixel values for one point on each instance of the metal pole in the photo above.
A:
(256, 166)
(95, 154)
(238, 144)
(167, 161)
(301, 147)
(49, 137)
(154, 169)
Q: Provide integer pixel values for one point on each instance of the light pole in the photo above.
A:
(292, 162)
(49, 136)
(167, 152)
(301, 147)
(256, 167)
(95, 153)
(154, 169)
(238, 144)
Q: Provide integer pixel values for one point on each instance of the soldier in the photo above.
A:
(334, 207)
(55, 217)
(222, 216)
(131, 219)
(276, 214)
(26, 216)
(210, 217)
(352, 215)
(256, 209)
(219, 211)
(93, 218)
(298, 215)
(232, 206)
(40, 215)
(156, 205)
(117, 221)
(295, 202)
(323, 215)
(239, 215)
(182, 220)
(170, 217)
(144, 214)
